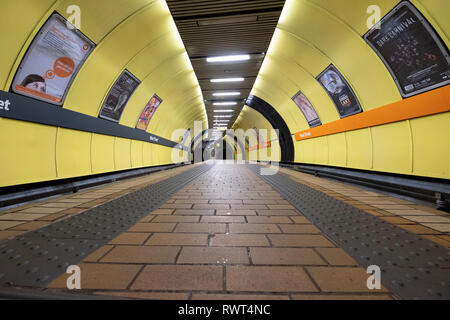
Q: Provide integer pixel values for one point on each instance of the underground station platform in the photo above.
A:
(198, 150)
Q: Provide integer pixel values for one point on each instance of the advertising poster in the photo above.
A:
(148, 112)
(52, 61)
(118, 96)
(307, 109)
(339, 91)
(411, 50)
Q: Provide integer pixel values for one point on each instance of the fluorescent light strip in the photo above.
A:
(234, 58)
(222, 116)
(227, 103)
(226, 94)
(228, 80)
(223, 110)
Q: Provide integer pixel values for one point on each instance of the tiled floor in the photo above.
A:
(427, 222)
(35, 215)
(228, 235)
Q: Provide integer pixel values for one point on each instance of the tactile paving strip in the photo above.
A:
(36, 258)
(411, 267)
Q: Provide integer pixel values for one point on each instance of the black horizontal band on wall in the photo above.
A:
(17, 107)
(277, 122)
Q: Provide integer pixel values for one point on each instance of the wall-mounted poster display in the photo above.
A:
(52, 61)
(307, 109)
(339, 91)
(411, 50)
(118, 96)
(148, 112)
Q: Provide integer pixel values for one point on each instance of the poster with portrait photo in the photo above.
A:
(148, 112)
(339, 91)
(411, 50)
(307, 109)
(52, 61)
(118, 96)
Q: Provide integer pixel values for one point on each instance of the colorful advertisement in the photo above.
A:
(148, 112)
(307, 109)
(52, 61)
(339, 91)
(411, 50)
(118, 96)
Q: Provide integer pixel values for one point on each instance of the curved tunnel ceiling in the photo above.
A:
(218, 28)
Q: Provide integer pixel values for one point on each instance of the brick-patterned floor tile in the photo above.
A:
(239, 240)
(268, 279)
(213, 255)
(285, 256)
(173, 239)
(180, 277)
(98, 254)
(277, 212)
(101, 276)
(267, 219)
(288, 240)
(197, 212)
(223, 219)
(201, 228)
(253, 228)
(339, 279)
(163, 211)
(299, 228)
(236, 213)
(141, 254)
(299, 219)
(159, 219)
(336, 257)
(135, 238)
(152, 227)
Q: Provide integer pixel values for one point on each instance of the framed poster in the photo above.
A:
(118, 96)
(52, 61)
(307, 109)
(414, 54)
(148, 112)
(339, 91)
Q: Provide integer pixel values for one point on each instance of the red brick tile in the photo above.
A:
(152, 227)
(267, 219)
(178, 277)
(253, 228)
(299, 228)
(285, 256)
(239, 240)
(184, 239)
(201, 227)
(101, 276)
(299, 240)
(268, 279)
(223, 219)
(331, 279)
(141, 254)
(213, 255)
(196, 212)
(236, 213)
